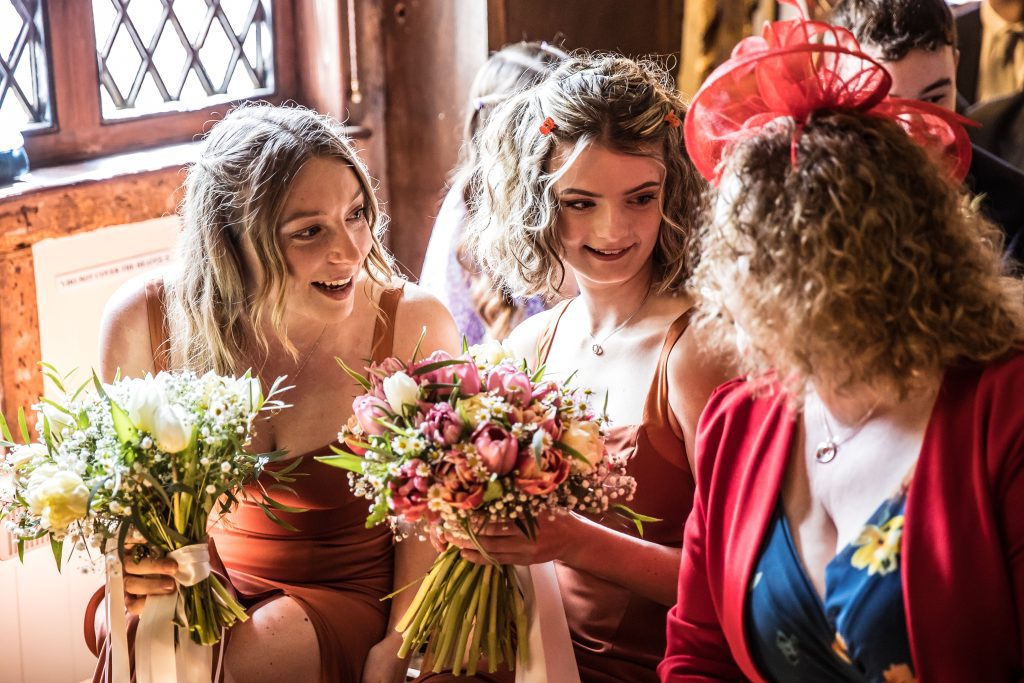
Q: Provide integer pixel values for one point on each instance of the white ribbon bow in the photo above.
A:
(551, 657)
(157, 660)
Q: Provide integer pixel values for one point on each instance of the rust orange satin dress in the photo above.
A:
(617, 635)
(333, 566)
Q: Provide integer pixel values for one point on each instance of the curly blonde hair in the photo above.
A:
(593, 99)
(235, 191)
(865, 263)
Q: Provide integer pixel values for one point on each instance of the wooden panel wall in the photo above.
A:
(433, 48)
(634, 28)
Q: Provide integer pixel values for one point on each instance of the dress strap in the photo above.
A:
(384, 331)
(159, 335)
(547, 335)
(656, 407)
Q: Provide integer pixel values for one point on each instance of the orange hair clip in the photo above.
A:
(548, 126)
(671, 119)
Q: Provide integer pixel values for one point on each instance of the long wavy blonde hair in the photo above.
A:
(862, 264)
(235, 192)
(593, 99)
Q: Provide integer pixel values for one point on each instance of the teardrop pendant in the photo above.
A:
(597, 349)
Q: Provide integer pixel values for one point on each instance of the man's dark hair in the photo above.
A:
(896, 27)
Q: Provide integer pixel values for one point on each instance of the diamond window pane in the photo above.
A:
(25, 94)
(184, 54)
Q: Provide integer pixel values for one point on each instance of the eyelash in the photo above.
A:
(583, 204)
(312, 231)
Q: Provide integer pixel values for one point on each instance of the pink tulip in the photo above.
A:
(496, 447)
(512, 384)
(367, 408)
(442, 424)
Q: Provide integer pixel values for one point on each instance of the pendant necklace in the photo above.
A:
(828, 449)
(598, 346)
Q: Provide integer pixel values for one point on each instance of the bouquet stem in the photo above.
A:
(210, 609)
(461, 606)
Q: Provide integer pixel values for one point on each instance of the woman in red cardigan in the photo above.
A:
(859, 513)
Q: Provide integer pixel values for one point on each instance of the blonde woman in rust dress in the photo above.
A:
(593, 157)
(281, 269)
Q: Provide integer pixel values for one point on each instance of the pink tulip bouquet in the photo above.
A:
(449, 445)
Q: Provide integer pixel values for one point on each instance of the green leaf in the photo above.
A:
(493, 491)
(437, 365)
(419, 342)
(123, 426)
(80, 389)
(281, 506)
(23, 425)
(539, 374)
(634, 516)
(21, 550)
(465, 344)
(99, 385)
(571, 451)
(345, 461)
(275, 519)
(363, 382)
(122, 535)
(5, 430)
(58, 551)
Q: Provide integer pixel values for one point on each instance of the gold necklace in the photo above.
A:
(309, 355)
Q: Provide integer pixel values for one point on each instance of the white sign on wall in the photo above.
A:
(75, 276)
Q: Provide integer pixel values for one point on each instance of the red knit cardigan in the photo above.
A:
(963, 542)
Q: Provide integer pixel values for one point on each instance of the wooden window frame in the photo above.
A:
(78, 131)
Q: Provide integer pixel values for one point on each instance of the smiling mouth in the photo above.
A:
(608, 254)
(333, 285)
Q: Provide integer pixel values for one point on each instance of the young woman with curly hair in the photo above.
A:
(586, 174)
(860, 504)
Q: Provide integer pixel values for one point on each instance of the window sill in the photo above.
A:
(99, 170)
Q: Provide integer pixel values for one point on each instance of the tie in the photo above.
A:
(1013, 39)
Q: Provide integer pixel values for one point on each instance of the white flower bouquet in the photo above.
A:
(160, 456)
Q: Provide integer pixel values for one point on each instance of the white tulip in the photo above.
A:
(401, 390)
(171, 430)
(144, 402)
(59, 420)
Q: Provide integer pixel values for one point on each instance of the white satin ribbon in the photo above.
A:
(551, 657)
(115, 665)
(157, 660)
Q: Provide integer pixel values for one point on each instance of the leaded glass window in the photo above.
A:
(24, 80)
(168, 55)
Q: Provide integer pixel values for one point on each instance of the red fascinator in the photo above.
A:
(799, 67)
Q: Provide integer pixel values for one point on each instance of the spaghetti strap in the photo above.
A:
(384, 330)
(159, 336)
(656, 407)
(547, 335)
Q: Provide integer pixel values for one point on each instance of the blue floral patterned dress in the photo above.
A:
(859, 633)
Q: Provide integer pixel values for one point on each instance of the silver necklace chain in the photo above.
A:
(597, 347)
(828, 449)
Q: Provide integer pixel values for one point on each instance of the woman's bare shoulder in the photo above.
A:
(420, 312)
(523, 339)
(124, 331)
